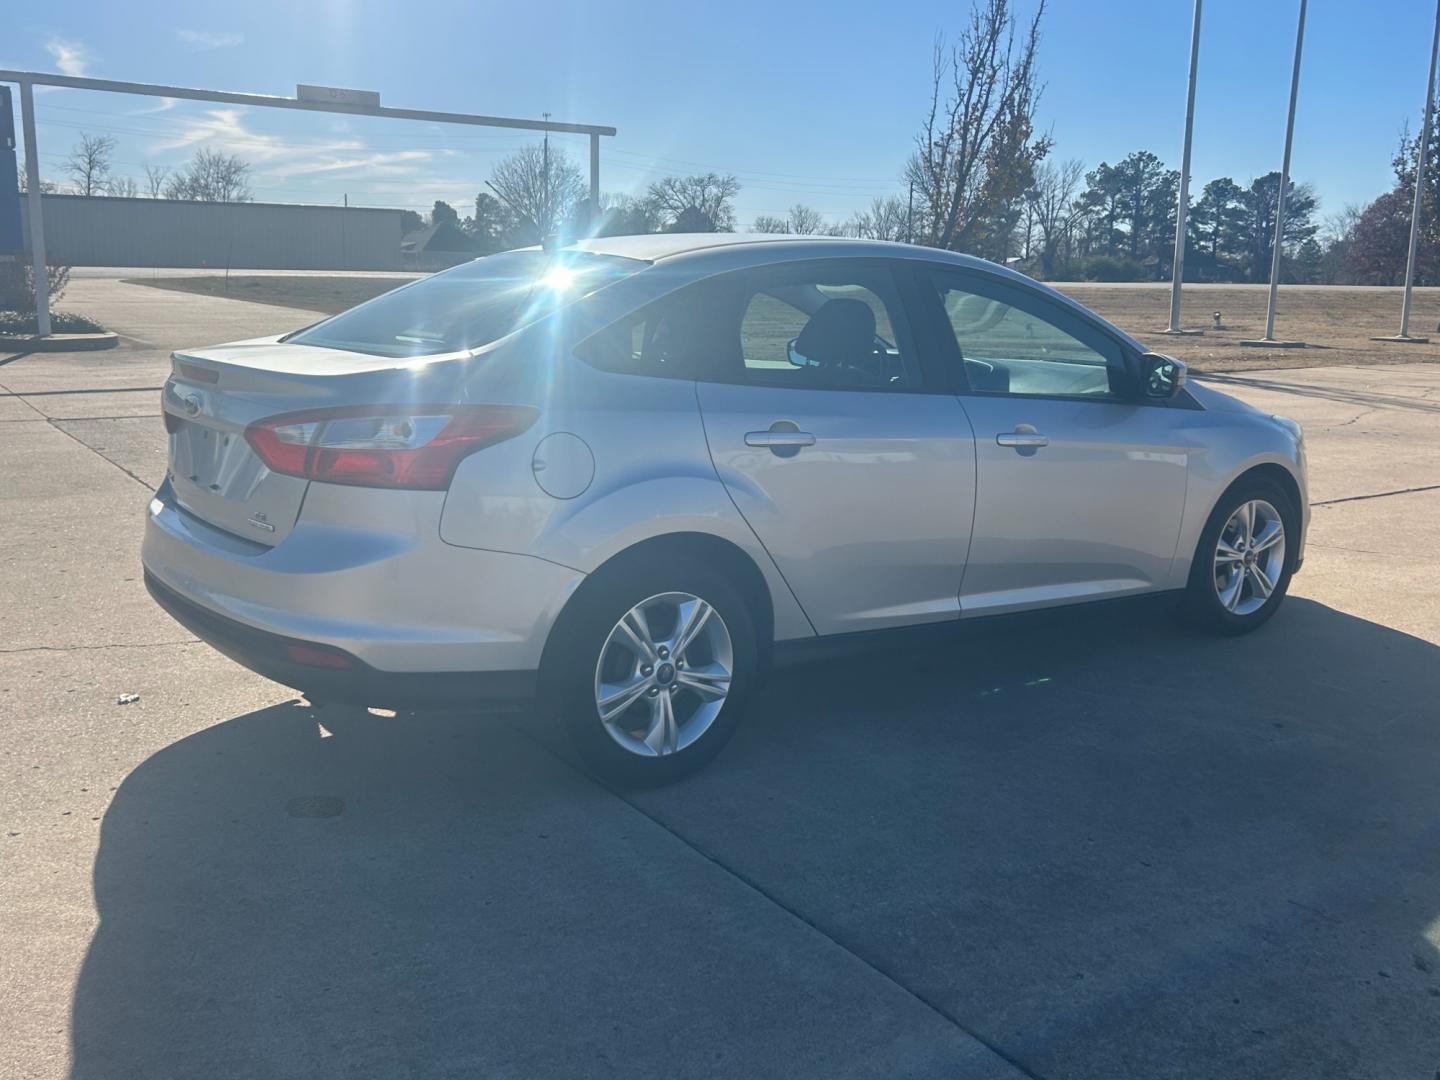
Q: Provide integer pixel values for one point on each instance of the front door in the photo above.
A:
(853, 469)
(1080, 486)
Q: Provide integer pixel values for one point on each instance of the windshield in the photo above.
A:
(470, 306)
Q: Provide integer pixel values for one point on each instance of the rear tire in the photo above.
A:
(1243, 562)
(670, 650)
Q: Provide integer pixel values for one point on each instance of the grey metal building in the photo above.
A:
(105, 231)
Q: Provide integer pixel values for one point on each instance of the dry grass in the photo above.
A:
(1335, 322)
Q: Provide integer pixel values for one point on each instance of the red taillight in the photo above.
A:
(400, 446)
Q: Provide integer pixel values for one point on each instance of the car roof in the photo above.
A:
(652, 247)
(701, 254)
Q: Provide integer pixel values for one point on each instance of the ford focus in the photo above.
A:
(628, 476)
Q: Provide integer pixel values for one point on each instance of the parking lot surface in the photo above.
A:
(1094, 847)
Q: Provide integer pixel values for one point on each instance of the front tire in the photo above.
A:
(651, 670)
(1243, 562)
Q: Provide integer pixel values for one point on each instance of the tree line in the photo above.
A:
(209, 176)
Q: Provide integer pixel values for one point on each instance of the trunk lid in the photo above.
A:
(214, 394)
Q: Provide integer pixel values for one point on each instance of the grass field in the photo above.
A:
(1335, 322)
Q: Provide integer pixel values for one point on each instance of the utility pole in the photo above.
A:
(595, 181)
(910, 214)
(1177, 274)
(1268, 341)
(1420, 162)
(545, 182)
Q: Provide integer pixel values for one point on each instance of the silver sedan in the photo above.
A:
(628, 476)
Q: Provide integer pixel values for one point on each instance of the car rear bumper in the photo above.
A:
(404, 610)
(350, 680)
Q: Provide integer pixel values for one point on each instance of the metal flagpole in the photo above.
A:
(1418, 207)
(1178, 273)
(1269, 338)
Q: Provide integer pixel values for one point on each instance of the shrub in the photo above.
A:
(61, 322)
(17, 285)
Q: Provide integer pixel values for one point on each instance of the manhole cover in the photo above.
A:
(315, 806)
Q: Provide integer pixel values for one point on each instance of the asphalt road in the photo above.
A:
(1101, 847)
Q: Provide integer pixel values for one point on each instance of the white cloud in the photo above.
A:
(164, 104)
(379, 163)
(331, 157)
(204, 40)
(71, 58)
(224, 129)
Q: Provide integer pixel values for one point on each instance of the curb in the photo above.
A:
(58, 342)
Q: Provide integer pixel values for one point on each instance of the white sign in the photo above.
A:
(334, 95)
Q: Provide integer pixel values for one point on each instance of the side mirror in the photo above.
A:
(1161, 376)
(797, 358)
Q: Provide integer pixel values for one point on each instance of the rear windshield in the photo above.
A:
(470, 306)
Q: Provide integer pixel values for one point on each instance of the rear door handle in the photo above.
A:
(774, 439)
(1022, 439)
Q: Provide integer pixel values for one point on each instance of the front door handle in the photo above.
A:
(775, 439)
(1022, 438)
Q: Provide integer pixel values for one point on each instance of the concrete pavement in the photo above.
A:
(1099, 847)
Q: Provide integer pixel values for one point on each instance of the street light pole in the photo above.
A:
(1420, 162)
(1268, 341)
(1284, 179)
(1177, 275)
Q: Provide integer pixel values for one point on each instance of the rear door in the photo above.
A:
(1080, 485)
(840, 446)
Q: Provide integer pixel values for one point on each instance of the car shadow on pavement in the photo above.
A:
(1108, 847)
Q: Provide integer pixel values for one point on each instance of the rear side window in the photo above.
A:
(472, 305)
(833, 326)
(690, 334)
(825, 329)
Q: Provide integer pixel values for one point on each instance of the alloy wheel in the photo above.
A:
(664, 674)
(1249, 557)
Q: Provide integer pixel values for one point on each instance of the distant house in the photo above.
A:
(436, 247)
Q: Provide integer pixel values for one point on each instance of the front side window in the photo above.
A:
(1021, 345)
(472, 305)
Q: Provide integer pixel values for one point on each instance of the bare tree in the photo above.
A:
(541, 186)
(977, 148)
(624, 215)
(155, 176)
(47, 187)
(1054, 209)
(885, 220)
(806, 220)
(701, 203)
(769, 223)
(123, 187)
(211, 176)
(89, 163)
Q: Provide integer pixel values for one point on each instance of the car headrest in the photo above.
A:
(840, 333)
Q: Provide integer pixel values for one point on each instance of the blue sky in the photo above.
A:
(805, 103)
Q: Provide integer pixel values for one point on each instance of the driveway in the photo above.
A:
(1098, 847)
